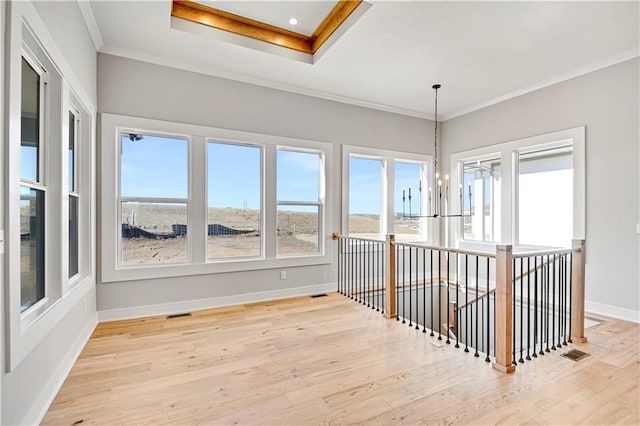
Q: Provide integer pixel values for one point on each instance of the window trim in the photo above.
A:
(322, 175)
(111, 126)
(262, 200)
(388, 158)
(26, 330)
(460, 208)
(151, 200)
(508, 155)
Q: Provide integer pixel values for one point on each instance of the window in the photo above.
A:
(299, 198)
(181, 199)
(154, 188)
(410, 201)
(73, 195)
(49, 181)
(527, 192)
(32, 188)
(545, 197)
(365, 197)
(387, 193)
(482, 202)
(234, 200)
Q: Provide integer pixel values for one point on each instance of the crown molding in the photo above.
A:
(243, 78)
(607, 62)
(173, 63)
(92, 25)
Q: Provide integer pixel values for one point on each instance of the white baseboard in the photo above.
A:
(214, 302)
(40, 405)
(612, 311)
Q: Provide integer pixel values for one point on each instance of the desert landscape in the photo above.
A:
(297, 232)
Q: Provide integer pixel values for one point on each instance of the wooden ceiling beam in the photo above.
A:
(200, 14)
(332, 22)
(215, 18)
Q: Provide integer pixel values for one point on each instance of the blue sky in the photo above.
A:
(157, 167)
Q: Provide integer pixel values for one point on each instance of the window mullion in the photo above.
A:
(197, 207)
(270, 203)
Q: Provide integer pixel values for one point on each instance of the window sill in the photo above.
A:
(211, 267)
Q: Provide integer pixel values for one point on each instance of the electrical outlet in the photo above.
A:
(638, 228)
(283, 275)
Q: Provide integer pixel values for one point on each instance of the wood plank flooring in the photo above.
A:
(330, 360)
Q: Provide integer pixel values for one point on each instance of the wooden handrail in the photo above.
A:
(476, 299)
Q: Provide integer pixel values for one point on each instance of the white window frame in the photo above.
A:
(111, 127)
(508, 154)
(262, 201)
(29, 37)
(460, 208)
(121, 199)
(320, 203)
(388, 159)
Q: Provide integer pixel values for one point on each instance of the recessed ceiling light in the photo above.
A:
(293, 21)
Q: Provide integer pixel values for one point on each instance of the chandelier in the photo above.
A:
(435, 200)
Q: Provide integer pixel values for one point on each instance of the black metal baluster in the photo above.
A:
(383, 276)
(547, 309)
(570, 294)
(514, 328)
(375, 301)
(488, 313)
(528, 358)
(397, 283)
(560, 301)
(417, 287)
(457, 287)
(431, 291)
(448, 295)
(477, 302)
(521, 307)
(439, 295)
(357, 271)
(404, 282)
(368, 272)
(363, 282)
(466, 302)
(566, 298)
(541, 327)
(410, 284)
(535, 305)
(553, 306)
(561, 298)
(424, 290)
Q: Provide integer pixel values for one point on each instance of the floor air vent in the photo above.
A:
(319, 295)
(187, 314)
(575, 355)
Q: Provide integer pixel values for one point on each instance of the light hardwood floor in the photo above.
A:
(331, 360)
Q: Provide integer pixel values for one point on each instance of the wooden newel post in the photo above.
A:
(504, 309)
(390, 277)
(577, 292)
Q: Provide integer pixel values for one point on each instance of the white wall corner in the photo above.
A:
(210, 303)
(40, 405)
(92, 25)
(612, 311)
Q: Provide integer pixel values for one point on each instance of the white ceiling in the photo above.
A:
(308, 13)
(481, 52)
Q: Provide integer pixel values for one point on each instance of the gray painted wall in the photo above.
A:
(606, 102)
(27, 389)
(66, 25)
(140, 89)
